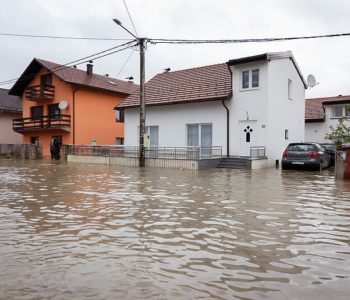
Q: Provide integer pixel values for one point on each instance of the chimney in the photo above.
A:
(89, 67)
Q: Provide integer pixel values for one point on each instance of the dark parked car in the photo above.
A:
(330, 149)
(305, 156)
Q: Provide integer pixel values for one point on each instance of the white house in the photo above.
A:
(239, 105)
(321, 113)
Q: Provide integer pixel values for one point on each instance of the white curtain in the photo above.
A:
(153, 135)
(206, 135)
(193, 135)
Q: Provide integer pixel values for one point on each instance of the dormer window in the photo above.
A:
(250, 79)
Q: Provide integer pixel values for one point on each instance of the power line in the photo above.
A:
(61, 37)
(132, 23)
(127, 60)
(230, 41)
(78, 61)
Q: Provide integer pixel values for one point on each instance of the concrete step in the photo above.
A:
(234, 163)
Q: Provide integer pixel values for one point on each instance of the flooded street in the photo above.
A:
(72, 231)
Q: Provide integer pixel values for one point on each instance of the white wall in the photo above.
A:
(172, 120)
(268, 108)
(284, 113)
(248, 107)
(7, 135)
(315, 132)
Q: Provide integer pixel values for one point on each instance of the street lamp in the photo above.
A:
(142, 44)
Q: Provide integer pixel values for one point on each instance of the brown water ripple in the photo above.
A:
(96, 232)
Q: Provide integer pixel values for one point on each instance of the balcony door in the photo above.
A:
(54, 111)
(36, 112)
(36, 116)
(200, 135)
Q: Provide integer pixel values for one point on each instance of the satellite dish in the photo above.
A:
(311, 80)
(63, 104)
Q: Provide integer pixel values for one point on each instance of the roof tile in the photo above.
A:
(198, 84)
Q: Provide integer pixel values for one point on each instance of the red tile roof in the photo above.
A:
(314, 107)
(191, 85)
(73, 76)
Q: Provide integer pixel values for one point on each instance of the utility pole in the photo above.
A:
(142, 43)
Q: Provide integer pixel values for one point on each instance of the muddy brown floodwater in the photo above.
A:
(72, 231)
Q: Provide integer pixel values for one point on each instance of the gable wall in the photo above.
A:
(284, 113)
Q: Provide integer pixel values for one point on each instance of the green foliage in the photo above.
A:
(341, 132)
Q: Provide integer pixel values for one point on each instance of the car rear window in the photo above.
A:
(328, 146)
(300, 147)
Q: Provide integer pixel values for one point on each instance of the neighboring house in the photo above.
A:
(73, 105)
(239, 105)
(10, 108)
(321, 113)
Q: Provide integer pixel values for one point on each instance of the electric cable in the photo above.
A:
(132, 23)
(80, 61)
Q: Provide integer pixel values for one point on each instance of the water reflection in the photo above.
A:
(96, 232)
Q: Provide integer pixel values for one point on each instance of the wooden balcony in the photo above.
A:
(44, 123)
(40, 92)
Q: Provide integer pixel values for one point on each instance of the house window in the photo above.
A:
(199, 135)
(337, 111)
(36, 112)
(34, 140)
(347, 112)
(119, 141)
(248, 132)
(290, 89)
(153, 132)
(286, 134)
(250, 79)
(119, 115)
(255, 78)
(54, 111)
(245, 79)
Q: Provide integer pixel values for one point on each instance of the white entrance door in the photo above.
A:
(248, 131)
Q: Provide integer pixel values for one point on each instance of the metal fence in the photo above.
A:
(193, 153)
(258, 152)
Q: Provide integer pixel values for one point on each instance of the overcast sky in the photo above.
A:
(327, 59)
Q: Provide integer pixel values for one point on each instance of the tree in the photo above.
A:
(341, 132)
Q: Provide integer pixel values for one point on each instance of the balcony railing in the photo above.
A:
(258, 152)
(190, 153)
(61, 122)
(37, 92)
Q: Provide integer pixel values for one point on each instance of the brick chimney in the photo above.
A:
(89, 68)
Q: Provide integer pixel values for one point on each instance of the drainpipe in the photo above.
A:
(227, 128)
(228, 117)
(74, 91)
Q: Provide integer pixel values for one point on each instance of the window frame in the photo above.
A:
(120, 115)
(333, 107)
(250, 79)
(286, 134)
(199, 133)
(290, 89)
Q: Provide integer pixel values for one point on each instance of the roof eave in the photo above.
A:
(119, 106)
(26, 77)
